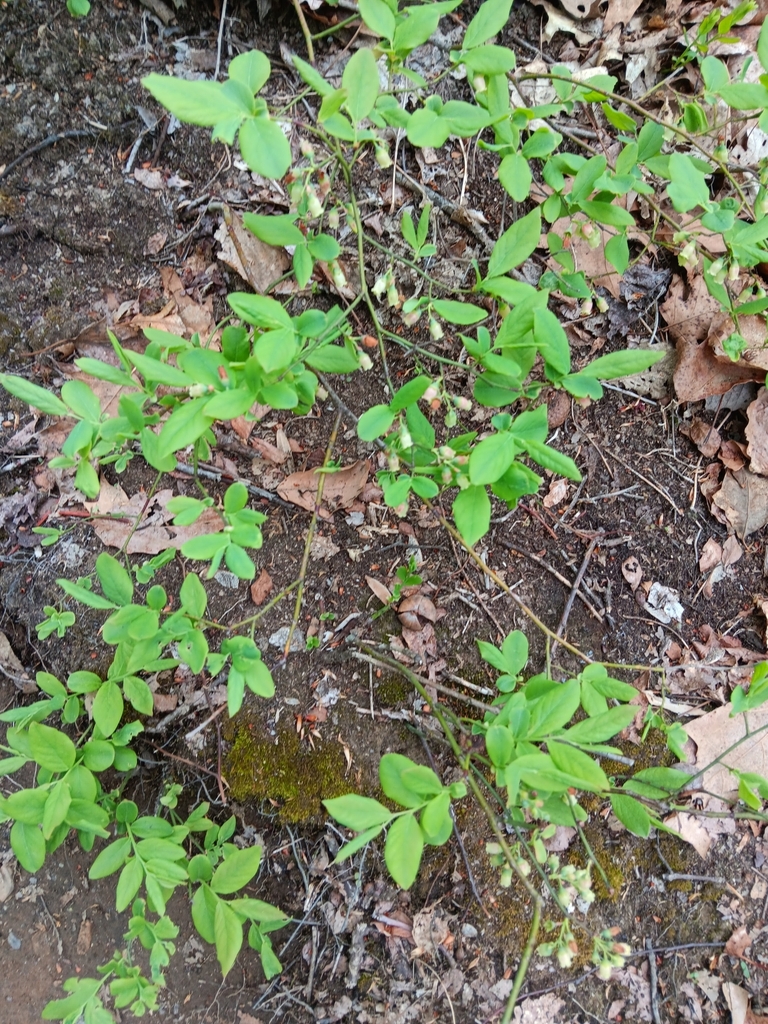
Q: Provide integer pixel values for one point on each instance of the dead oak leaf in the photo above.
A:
(340, 489)
(739, 942)
(722, 743)
(743, 501)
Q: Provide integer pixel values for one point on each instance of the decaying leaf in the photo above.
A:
(261, 587)
(739, 942)
(756, 433)
(705, 436)
(339, 490)
(379, 589)
(690, 829)
(631, 571)
(558, 491)
(263, 263)
(322, 547)
(743, 501)
(716, 733)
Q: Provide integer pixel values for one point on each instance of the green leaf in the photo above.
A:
(107, 707)
(111, 858)
(403, 850)
(359, 841)
(515, 176)
(98, 755)
(762, 46)
(378, 16)
(357, 812)
(427, 128)
(159, 372)
(458, 312)
(184, 426)
(312, 77)
(553, 460)
(51, 748)
(472, 513)
(228, 935)
(81, 400)
(607, 213)
(264, 147)
(554, 710)
(324, 247)
(575, 762)
(276, 230)
(236, 871)
(601, 727)
(617, 253)
(632, 814)
(193, 596)
(516, 244)
(204, 904)
(688, 187)
(361, 80)
(251, 68)
(435, 820)
(586, 176)
(259, 310)
(138, 695)
(34, 395)
(622, 364)
(128, 883)
(392, 769)
(489, 60)
(491, 458)
(500, 744)
(28, 844)
(201, 103)
(374, 422)
(745, 95)
(56, 808)
(490, 19)
(115, 580)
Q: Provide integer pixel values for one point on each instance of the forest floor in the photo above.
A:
(110, 227)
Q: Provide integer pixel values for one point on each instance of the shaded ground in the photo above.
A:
(78, 238)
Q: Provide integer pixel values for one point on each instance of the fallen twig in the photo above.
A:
(572, 596)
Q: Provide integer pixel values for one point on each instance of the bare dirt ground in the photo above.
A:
(88, 242)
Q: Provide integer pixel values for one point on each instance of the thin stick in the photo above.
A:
(654, 982)
(572, 596)
(305, 30)
(659, 490)
(558, 576)
(222, 19)
(209, 719)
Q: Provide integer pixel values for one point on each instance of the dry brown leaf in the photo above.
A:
(715, 733)
(739, 942)
(558, 409)
(732, 456)
(164, 702)
(705, 436)
(6, 877)
(269, 451)
(689, 312)
(756, 433)
(631, 571)
(558, 491)
(84, 937)
(265, 263)
(339, 490)
(711, 555)
(619, 12)
(690, 829)
(754, 359)
(743, 501)
(430, 930)
(261, 588)
(732, 551)
(196, 316)
(737, 1000)
(379, 589)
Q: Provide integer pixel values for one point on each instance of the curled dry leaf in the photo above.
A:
(739, 942)
(743, 501)
(558, 491)
(379, 589)
(705, 436)
(689, 828)
(711, 555)
(418, 604)
(631, 571)
(732, 455)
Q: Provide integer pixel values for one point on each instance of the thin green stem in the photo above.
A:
(525, 959)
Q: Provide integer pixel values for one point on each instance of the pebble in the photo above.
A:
(13, 942)
(279, 638)
(469, 931)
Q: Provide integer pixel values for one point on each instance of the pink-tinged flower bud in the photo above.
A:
(409, 319)
(451, 418)
(393, 462)
(380, 285)
(446, 475)
(393, 298)
(333, 219)
(601, 304)
(405, 438)
(435, 330)
(479, 84)
(306, 149)
(733, 272)
(383, 159)
(586, 307)
(688, 257)
(431, 393)
(604, 972)
(717, 271)
(366, 363)
(401, 510)
(462, 404)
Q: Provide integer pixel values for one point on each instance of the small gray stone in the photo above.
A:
(469, 931)
(279, 639)
(13, 942)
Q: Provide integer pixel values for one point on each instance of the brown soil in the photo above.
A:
(74, 232)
